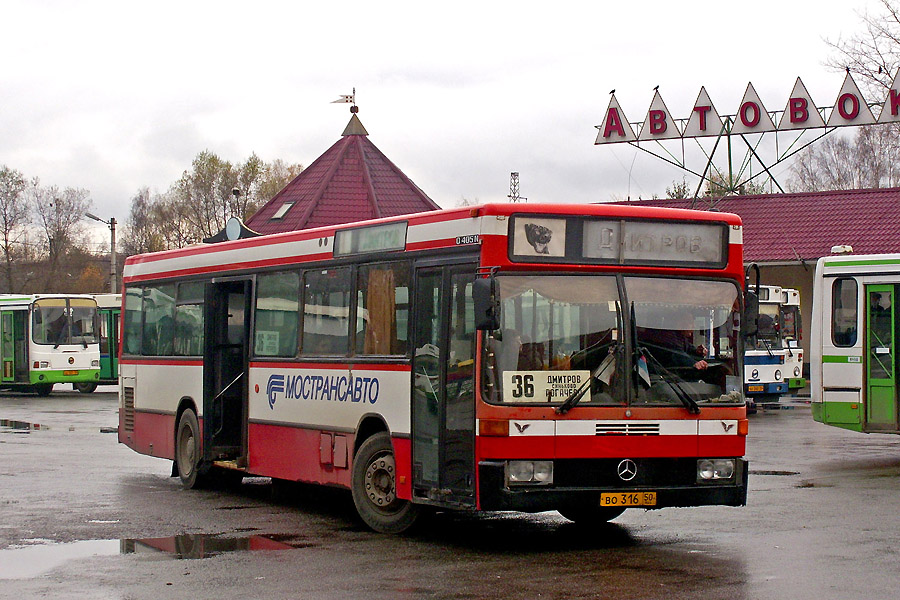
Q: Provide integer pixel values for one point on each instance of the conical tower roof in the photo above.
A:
(352, 181)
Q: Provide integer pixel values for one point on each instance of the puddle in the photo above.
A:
(11, 426)
(8, 425)
(26, 562)
(41, 556)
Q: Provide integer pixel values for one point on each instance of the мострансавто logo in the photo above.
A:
(275, 385)
(332, 388)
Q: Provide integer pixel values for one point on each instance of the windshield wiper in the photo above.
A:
(573, 398)
(672, 379)
(607, 364)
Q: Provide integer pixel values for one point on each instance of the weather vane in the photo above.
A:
(348, 99)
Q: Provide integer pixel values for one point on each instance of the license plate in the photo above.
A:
(754, 388)
(628, 499)
(70, 372)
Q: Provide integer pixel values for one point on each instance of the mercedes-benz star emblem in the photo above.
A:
(627, 470)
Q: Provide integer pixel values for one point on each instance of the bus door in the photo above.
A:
(109, 344)
(7, 346)
(225, 370)
(13, 346)
(881, 376)
(443, 403)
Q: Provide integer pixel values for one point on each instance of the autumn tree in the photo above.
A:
(716, 186)
(199, 204)
(679, 190)
(14, 218)
(277, 174)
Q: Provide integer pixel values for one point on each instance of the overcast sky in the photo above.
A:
(115, 96)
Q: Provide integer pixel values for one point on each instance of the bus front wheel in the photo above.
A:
(374, 488)
(187, 449)
(43, 389)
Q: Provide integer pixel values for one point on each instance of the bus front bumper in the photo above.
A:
(676, 486)
(64, 376)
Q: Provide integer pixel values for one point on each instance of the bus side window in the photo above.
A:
(131, 332)
(158, 337)
(326, 312)
(844, 312)
(382, 309)
(277, 314)
(189, 319)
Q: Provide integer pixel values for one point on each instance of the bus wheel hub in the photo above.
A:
(380, 481)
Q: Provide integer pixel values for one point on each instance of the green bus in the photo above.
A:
(109, 307)
(47, 339)
(854, 359)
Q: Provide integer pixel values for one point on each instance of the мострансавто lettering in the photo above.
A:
(332, 388)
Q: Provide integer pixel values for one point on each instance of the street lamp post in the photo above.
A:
(112, 248)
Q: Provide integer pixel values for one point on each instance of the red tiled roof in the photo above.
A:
(789, 227)
(352, 181)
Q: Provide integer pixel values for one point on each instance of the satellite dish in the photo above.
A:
(233, 229)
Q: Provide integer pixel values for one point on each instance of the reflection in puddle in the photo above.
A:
(200, 545)
(20, 426)
(26, 562)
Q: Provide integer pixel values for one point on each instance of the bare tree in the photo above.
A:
(142, 230)
(59, 214)
(873, 55)
(14, 217)
(871, 159)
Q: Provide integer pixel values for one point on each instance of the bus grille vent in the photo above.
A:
(128, 410)
(627, 429)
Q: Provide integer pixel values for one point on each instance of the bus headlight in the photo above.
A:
(712, 469)
(777, 374)
(796, 371)
(95, 364)
(525, 472)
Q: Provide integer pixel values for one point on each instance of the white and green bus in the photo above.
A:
(773, 359)
(47, 339)
(852, 347)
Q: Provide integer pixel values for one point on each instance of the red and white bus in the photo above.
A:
(579, 358)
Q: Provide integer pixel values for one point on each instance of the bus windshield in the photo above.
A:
(58, 321)
(561, 334)
(686, 339)
(768, 336)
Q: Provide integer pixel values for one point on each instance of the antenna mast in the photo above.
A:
(514, 187)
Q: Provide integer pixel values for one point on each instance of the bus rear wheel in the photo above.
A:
(85, 387)
(590, 515)
(374, 488)
(187, 449)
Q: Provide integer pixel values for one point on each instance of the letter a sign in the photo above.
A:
(615, 127)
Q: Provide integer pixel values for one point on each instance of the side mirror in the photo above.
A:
(750, 319)
(487, 305)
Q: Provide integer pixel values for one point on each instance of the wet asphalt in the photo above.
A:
(82, 516)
